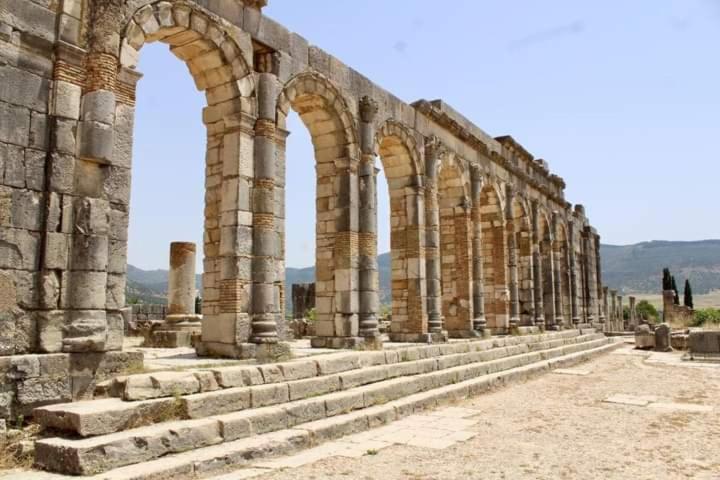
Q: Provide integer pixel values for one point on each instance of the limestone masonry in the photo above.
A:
(483, 240)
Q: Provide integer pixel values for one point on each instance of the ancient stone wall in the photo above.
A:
(481, 232)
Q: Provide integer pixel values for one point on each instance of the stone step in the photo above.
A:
(97, 454)
(222, 458)
(168, 384)
(100, 417)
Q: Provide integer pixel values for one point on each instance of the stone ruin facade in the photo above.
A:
(483, 239)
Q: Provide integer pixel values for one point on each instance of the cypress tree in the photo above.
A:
(666, 282)
(688, 300)
(676, 299)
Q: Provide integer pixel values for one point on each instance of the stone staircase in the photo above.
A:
(196, 424)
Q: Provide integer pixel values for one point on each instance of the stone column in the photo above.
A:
(512, 260)
(633, 320)
(181, 323)
(86, 281)
(613, 310)
(368, 266)
(557, 273)
(598, 280)
(537, 268)
(264, 237)
(590, 276)
(606, 310)
(479, 320)
(620, 314)
(574, 312)
(433, 153)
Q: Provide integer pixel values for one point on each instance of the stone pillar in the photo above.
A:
(613, 311)
(620, 314)
(606, 310)
(633, 320)
(574, 312)
(181, 322)
(86, 281)
(590, 275)
(368, 266)
(479, 320)
(433, 154)
(557, 273)
(537, 268)
(264, 238)
(598, 279)
(512, 260)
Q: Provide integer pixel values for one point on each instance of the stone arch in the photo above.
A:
(329, 120)
(547, 265)
(456, 277)
(494, 257)
(562, 250)
(103, 169)
(400, 157)
(519, 226)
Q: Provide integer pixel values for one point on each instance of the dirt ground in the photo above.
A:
(558, 426)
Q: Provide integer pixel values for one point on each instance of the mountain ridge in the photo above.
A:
(635, 268)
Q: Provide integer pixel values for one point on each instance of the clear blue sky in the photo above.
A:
(622, 98)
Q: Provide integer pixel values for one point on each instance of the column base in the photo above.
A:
(437, 337)
(178, 331)
(340, 343)
(264, 353)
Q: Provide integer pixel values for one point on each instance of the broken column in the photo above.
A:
(633, 317)
(181, 322)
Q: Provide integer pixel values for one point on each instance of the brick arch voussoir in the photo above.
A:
(161, 20)
(394, 129)
(335, 103)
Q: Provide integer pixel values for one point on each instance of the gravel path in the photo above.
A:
(558, 426)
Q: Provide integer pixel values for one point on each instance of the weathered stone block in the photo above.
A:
(96, 142)
(14, 124)
(50, 327)
(86, 331)
(67, 100)
(23, 88)
(312, 387)
(29, 17)
(216, 403)
(99, 106)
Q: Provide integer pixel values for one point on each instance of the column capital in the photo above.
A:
(434, 150)
(368, 109)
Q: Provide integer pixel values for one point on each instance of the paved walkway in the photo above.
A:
(630, 414)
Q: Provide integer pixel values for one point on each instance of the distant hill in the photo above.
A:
(630, 268)
(638, 268)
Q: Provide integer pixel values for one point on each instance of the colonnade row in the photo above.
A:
(482, 239)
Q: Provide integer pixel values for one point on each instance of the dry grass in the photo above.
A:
(707, 300)
(12, 453)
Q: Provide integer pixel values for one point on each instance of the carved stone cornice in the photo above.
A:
(441, 118)
(259, 4)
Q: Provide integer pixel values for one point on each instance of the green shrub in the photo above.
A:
(706, 317)
(646, 311)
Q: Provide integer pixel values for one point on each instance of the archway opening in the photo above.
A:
(523, 244)
(455, 250)
(494, 257)
(297, 242)
(407, 256)
(563, 252)
(168, 137)
(331, 132)
(545, 244)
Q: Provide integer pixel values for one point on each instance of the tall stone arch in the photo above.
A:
(456, 253)
(96, 278)
(494, 258)
(400, 156)
(333, 131)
